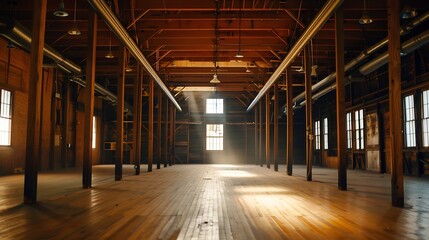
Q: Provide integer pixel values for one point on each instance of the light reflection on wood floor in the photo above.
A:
(213, 202)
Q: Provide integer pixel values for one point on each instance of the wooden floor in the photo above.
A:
(213, 202)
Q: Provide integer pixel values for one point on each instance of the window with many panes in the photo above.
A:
(5, 117)
(214, 137)
(409, 122)
(317, 134)
(325, 133)
(349, 130)
(425, 118)
(94, 132)
(359, 126)
(214, 105)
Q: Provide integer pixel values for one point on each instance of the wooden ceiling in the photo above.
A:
(179, 37)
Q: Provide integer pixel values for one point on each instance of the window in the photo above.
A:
(425, 118)
(409, 122)
(359, 129)
(317, 134)
(5, 118)
(214, 105)
(325, 133)
(94, 132)
(214, 136)
(349, 130)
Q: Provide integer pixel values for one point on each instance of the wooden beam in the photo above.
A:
(150, 123)
(395, 100)
(289, 117)
(89, 100)
(340, 94)
(256, 134)
(276, 126)
(308, 114)
(267, 129)
(34, 102)
(137, 120)
(158, 131)
(119, 159)
(65, 123)
(261, 162)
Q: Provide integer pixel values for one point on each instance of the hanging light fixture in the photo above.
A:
(128, 67)
(110, 54)
(313, 66)
(365, 19)
(408, 12)
(215, 80)
(239, 55)
(74, 30)
(61, 12)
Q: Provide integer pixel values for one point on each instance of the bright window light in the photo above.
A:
(360, 144)
(214, 105)
(214, 137)
(5, 118)
(317, 134)
(349, 130)
(325, 133)
(94, 132)
(425, 118)
(409, 122)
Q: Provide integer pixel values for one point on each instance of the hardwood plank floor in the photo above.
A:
(213, 202)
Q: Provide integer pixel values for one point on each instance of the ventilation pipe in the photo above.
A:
(373, 65)
(406, 48)
(404, 29)
(121, 33)
(20, 36)
(318, 21)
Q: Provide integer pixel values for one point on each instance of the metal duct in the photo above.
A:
(318, 21)
(121, 33)
(404, 29)
(19, 35)
(406, 48)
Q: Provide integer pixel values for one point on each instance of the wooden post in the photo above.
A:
(167, 103)
(261, 162)
(267, 129)
(341, 109)
(276, 126)
(150, 127)
(256, 134)
(395, 99)
(34, 102)
(89, 100)
(174, 135)
(158, 131)
(120, 116)
(65, 123)
(308, 114)
(245, 138)
(171, 142)
(289, 117)
(137, 120)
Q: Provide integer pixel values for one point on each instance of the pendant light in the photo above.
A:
(313, 66)
(110, 55)
(61, 12)
(365, 19)
(74, 30)
(215, 80)
(239, 55)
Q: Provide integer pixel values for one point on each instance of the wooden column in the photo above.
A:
(150, 127)
(276, 126)
(261, 162)
(137, 120)
(174, 135)
(65, 124)
(34, 102)
(256, 134)
(158, 131)
(289, 121)
(395, 99)
(308, 114)
(341, 109)
(167, 103)
(267, 129)
(119, 159)
(171, 140)
(89, 100)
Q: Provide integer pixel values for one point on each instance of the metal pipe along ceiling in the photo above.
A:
(405, 29)
(112, 21)
(19, 35)
(318, 21)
